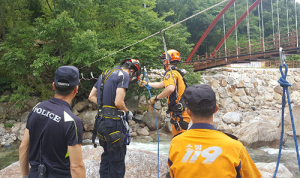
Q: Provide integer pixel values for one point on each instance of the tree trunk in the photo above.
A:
(2, 22)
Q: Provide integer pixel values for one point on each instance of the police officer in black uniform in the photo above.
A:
(109, 93)
(53, 135)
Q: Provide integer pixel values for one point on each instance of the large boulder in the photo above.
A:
(139, 163)
(81, 106)
(232, 117)
(267, 170)
(150, 121)
(19, 129)
(259, 134)
(296, 116)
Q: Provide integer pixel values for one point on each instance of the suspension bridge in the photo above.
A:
(254, 50)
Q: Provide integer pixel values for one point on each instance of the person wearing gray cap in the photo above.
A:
(53, 136)
(202, 151)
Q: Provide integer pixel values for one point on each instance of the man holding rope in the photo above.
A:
(174, 85)
(109, 93)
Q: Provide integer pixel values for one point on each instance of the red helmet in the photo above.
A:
(173, 56)
(136, 66)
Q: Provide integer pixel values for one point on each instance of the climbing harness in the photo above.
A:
(285, 84)
(107, 116)
(148, 87)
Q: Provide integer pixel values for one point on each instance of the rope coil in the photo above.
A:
(285, 84)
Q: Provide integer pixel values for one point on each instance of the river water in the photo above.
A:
(267, 155)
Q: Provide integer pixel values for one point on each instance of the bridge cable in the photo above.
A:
(224, 29)
(262, 25)
(236, 37)
(278, 26)
(150, 36)
(285, 84)
(273, 22)
(259, 26)
(296, 22)
(248, 28)
(287, 19)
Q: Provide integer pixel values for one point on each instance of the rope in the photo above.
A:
(170, 68)
(150, 36)
(149, 88)
(284, 84)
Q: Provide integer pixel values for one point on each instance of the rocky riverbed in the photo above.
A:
(249, 100)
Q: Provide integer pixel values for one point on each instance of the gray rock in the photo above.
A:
(259, 134)
(2, 130)
(88, 117)
(296, 116)
(267, 170)
(143, 132)
(24, 116)
(138, 117)
(150, 121)
(81, 106)
(138, 162)
(232, 117)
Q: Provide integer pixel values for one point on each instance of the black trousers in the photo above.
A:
(112, 163)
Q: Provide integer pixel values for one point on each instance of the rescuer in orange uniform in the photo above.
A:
(174, 85)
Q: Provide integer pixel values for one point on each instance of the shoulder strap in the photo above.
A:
(182, 75)
(104, 76)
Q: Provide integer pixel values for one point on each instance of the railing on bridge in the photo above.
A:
(263, 48)
(276, 63)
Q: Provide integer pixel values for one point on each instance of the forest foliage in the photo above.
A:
(37, 36)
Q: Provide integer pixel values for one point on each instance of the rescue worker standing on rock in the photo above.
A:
(174, 85)
(110, 127)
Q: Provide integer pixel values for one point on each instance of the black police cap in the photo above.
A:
(199, 95)
(67, 76)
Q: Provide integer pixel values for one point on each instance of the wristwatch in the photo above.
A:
(156, 99)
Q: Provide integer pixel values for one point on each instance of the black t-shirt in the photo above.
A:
(57, 127)
(118, 79)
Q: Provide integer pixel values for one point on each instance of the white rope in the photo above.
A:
(236, 37)
(278, 26)
(296, 22)
(159, 32)
(262, 24)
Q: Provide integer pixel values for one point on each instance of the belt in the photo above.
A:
(110, 111)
